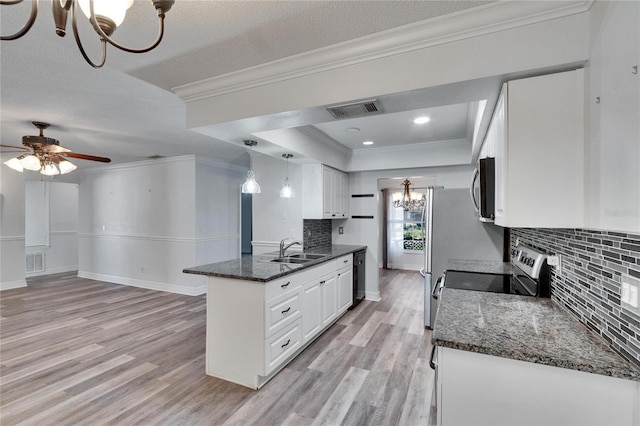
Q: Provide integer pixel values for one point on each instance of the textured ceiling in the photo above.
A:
(115, 112)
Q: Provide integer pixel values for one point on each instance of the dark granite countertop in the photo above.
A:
(482, 266)
(260, 267)
(523, 328)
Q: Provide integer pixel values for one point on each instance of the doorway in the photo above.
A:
(246, 224)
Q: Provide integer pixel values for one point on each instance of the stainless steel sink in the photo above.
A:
(289, 259)
(310, 256)
(299, 258)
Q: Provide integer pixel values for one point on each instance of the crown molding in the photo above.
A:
(478, 21)
(191, 158)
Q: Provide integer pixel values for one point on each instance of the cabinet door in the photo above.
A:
(329, 299)
(498, 135)
(327, 192)
(345, 195)
(337, 194)
(345, 289)
(311, 310)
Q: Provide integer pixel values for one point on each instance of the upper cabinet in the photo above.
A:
(324, 192)
(537, 137)
(613, 107)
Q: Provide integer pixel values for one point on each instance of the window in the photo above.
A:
(413, 238)
(405, 227)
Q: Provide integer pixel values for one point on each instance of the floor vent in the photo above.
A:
(359, 109)
(34, 262)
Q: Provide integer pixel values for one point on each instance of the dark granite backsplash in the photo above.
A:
(316, 233)
(590, 283)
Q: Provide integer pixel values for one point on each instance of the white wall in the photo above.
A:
(369, 231)
(275, 218)
(140, 223)
(11, 228)
(61, 217)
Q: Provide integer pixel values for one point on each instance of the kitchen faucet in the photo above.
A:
(283, 248)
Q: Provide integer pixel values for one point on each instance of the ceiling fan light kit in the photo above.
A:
(105, 16)
(47, 155)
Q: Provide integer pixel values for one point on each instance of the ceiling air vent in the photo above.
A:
(358, 109)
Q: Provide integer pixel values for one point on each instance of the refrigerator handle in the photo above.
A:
(472, 192)
(423, 272)
(437, 289)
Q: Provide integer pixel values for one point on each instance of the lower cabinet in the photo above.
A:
(254, 329)
(478, 389)
(345, 288)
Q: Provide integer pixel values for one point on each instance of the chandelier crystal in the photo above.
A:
(410, 200)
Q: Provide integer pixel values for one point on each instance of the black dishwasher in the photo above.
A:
(359, 267)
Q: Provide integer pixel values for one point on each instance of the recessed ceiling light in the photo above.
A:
(367, 143)
(421, 120)
(352, 130)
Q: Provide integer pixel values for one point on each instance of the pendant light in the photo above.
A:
(287, 191)
(250, 186)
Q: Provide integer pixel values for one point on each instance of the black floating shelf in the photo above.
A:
(361, 217)
(361, 195)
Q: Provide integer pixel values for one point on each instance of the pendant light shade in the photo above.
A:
(111, 9)
(250, 186)
(287, 191)
(66, 167)
(30, 162)
(49, 169)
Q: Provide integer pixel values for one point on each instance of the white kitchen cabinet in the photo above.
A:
(328, 285)
(478, 389)
(538, 140)
(613, 105)
(344, 283)
(255, 328)
(324, 192)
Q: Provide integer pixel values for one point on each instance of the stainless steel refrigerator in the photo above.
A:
(453, 231)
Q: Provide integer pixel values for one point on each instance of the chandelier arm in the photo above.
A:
(30, 21)
(76, 35)
(114, 43)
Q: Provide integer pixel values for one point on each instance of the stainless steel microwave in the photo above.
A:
(483, 189)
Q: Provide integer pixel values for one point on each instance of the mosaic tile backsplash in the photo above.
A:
(590, 283)
(316, 233)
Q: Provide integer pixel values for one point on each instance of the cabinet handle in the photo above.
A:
(432, 362)
(345, 261)
(284, 285)
(322, 282)
(286, 310)
(333, 215)
(288, 341)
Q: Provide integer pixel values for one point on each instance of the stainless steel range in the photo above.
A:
(530, 276)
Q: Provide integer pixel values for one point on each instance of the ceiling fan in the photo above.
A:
(45, 154)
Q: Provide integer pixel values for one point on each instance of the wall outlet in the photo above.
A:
(340, 230)
(556, 262)
(293, 233)
(630, 294)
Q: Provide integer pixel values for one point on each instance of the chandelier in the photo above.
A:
(410, 200)
(105, 16)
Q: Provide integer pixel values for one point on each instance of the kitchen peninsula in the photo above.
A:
(263, 310)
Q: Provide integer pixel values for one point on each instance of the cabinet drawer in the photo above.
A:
(282, 345)
(343, 261)
(282, 311)
(276, 288)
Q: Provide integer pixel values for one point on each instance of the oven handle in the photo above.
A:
(437, 289)
(476, 174)
(432, 363)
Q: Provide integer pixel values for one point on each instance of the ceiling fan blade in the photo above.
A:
(85, 157)
(21, 148)
(54, 148)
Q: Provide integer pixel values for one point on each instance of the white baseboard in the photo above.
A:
(50, 271)
(9, 285)
(374, 296)
(149, 285)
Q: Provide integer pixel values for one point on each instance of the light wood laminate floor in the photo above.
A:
(78, 351)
